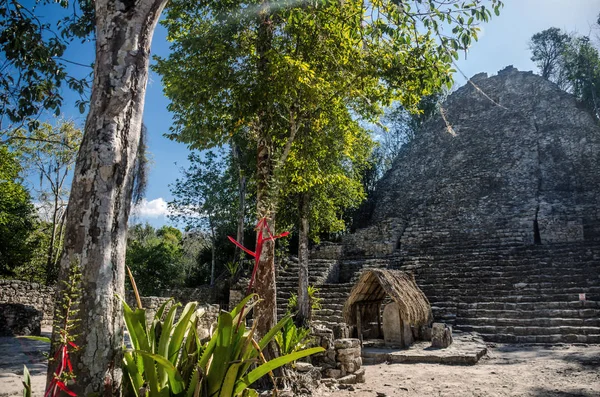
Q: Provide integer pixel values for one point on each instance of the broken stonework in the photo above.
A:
(441, 335)
(342, 361)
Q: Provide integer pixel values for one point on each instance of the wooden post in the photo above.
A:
(359, 323)
(379, 332)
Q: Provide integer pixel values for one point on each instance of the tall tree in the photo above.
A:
(18, 218)
(572, 62)
(155, 257)
(49, 152)
(101, 191)
(582, 67)
(204, 198)
(241, 66)
(548, 49)
(324, 171)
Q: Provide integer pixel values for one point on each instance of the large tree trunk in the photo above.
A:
(303, 315)
(98, 210)
(264, 285)
(265, 312)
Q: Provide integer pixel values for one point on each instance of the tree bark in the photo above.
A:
(241, 201)
(264, 284)
(265, 312)
(100, 200)
(304, 307)
(50, 260)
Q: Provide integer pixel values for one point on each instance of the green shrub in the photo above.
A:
(168, 359)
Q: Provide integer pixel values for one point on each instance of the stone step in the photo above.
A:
(473, 298)
(529, 330)
(529, 322)
(541, 339)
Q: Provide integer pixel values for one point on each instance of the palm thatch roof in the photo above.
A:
(375, 285)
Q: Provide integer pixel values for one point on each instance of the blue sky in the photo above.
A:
(503, 42)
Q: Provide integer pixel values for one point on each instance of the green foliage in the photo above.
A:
(547, 51)
(34, 72)
(233, 267)
(294, 77)
(26, 382)
(156, 257)
(168, 359)
(572, 62)
(292, 338)
(205, 197)
(315, 301)
(18, 217)
(49, 153)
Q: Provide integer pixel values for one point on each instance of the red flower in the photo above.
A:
(262, 224)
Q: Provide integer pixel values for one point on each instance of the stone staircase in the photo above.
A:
(507, 293)
(522, 294)
(320, 271)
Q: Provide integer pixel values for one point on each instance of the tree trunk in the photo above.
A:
(304, 308)
(241, 202)
(213, 254)
(50, 261)
(264, 284)
(100, 200)
(265, 313)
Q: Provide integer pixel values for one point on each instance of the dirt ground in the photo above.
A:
(507, 370)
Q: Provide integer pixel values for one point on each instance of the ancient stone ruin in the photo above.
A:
(495, 208)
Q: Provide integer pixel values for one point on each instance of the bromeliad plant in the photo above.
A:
(168, 359)
(65, 325)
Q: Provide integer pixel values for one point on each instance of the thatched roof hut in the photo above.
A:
(375, 285)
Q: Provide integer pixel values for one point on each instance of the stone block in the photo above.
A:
(392, 329)
(441, 335)
(348, 354)
(346, 343)
(360, 375)
(347, 380)
(303, 367)
(332, 373)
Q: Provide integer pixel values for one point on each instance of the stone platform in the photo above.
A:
(466, 350)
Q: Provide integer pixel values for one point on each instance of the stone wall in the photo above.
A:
(341, 361)
(30, 294)
(42, 297)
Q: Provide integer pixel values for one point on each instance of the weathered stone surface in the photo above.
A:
(441, 335)
(392, 330)
(346, 343)
(348, 380)
(19, 320)
(348, 353)
(42, 298)
(360, 375)
(521, 152)
(303, 367)
(29, 294)
(333, 373)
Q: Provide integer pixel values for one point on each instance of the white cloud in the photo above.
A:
(152, 209)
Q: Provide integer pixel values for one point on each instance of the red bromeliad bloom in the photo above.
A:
(64, 365)
(260, 239)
